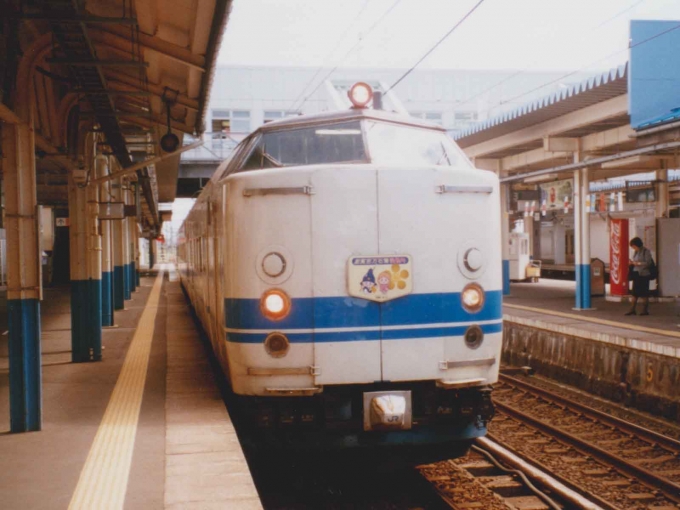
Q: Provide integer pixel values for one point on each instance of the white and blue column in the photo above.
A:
(86, 265)
(581, 237)
(127, 288)
(132, 235)
(137, 256)
(505, 237)
(23, 276)
(102, 166)
(119, 242)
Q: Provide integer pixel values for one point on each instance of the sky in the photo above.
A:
(500, 34)
(550, 35)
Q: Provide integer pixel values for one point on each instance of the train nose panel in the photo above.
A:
(344, 223)
(363, 218)
(413, 219)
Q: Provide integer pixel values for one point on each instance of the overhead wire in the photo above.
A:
(522, 71)
(608, 20)
(436, 45)
(340, 40)
(352, 49)
(593, 63)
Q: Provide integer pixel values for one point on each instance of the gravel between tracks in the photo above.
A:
(575, 464)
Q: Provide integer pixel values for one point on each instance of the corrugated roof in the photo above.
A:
(593, 90)
(666, 118)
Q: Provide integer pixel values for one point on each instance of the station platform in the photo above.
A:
(634, 359)
(146, 428)
(553, 301)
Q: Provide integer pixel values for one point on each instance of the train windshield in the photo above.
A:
(317, 145)
(399, 145)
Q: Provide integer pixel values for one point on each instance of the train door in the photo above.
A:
(344, 224)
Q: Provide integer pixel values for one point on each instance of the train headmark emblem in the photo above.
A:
(380, 277)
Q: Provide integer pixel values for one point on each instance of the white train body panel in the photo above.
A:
(358, 210)
(317, 218)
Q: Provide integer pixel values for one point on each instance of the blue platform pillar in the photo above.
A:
(117, 226)
(86, 264)
(505, 238)
(23, 273)
(127, 285)
(582, 237)
(102, 167)
(132, 235)
(136, 234)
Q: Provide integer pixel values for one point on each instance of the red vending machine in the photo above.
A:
(618, 257)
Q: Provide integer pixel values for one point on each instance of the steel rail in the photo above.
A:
(670, 489)
(563, 480)
(564, 492)
(643, 433)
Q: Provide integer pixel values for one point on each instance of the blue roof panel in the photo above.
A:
(673, 115)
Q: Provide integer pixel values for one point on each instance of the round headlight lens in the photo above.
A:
(360, 94)
(474, 336)
(473, 259)
(275, 304)
(472, 297)
(277, 345)
(274, 264)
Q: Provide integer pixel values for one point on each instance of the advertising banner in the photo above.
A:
(618, 257)
(557, 194)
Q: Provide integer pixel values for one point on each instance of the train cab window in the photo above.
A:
(394, 144)
(316, 145)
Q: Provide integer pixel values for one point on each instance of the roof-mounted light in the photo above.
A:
(360, 94)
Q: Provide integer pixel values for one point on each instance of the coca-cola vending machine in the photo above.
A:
(618, 257)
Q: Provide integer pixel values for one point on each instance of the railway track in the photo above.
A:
(480, 481)
(571, 456)
(616, 464)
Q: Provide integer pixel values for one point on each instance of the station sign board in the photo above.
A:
(111, 210)
(640, 191)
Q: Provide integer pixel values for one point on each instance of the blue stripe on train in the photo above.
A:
(357, 336)
(347, 312)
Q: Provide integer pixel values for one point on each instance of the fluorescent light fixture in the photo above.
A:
(338, 131)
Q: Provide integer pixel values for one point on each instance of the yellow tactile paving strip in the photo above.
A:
(595, 320)
(104, 478)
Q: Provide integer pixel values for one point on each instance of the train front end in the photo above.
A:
(363, 286)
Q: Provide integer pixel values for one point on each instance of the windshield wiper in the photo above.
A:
(444, 155)
(272, 159)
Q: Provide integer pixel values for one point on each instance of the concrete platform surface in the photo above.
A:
(145, 428)
(549, 305)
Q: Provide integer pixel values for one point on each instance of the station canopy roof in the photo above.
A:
(119, 63)
(596, 89)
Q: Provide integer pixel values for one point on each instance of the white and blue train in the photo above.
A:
(347, 269)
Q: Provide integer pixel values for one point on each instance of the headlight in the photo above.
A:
(274, 264)
(360, 94)
(473, 259)
(472, 297)
(275, 304)
(474, 336)
(277, 345)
